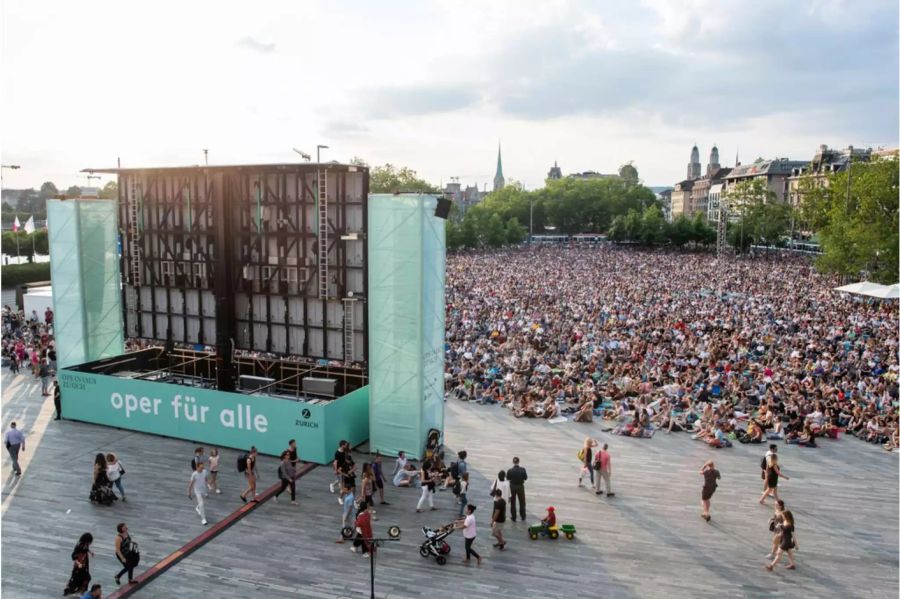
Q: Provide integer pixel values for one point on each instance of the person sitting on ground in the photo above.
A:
(406, 476)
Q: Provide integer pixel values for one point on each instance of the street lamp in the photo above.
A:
(393, 535)
(319, 149)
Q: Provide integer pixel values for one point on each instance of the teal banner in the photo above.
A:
(216, 417)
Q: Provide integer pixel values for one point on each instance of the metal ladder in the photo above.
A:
(322, 196)
(349, 308)
(134, 233)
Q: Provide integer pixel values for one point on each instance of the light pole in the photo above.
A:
(319, 149)
(206, 156)
(530, 220)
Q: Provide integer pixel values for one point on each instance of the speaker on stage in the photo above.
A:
(443, 208)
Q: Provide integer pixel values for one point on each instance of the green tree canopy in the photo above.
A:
(856, 218)
(392, 179)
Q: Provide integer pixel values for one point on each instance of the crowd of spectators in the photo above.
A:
(28, 344)
(731, 350)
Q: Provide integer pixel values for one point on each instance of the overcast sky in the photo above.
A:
(435, 85)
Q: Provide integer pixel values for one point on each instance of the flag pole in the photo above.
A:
(31, 234)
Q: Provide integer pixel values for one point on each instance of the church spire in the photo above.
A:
(499, 181)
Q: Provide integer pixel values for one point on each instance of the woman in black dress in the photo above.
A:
(773, 472)
(81, 566)
(710, 476)
(788, 542)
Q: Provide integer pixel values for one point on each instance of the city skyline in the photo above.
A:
(433, 86)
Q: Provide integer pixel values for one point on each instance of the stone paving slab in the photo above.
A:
(648, 541)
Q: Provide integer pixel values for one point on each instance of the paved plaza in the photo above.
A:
(648, 541)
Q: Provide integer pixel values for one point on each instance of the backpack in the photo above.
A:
(763, 463)
(454, 470)
(242, 462)
(581, 454)
(457, 487)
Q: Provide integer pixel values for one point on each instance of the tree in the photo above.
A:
(515, 233)
(41, 242)
(48, 190)
(391, 179)
(629, 174)
(9, 244)
(681, 231)
(653, 226)
(453, 231)
(494, 231)
(73, 192)
(110, 191)
(30, 202)
(739, 237)
(858, 231)
(703, 234)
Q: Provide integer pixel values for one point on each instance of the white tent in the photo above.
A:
(889, 292)
(871, 290)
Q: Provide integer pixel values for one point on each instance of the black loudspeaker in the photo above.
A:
(443, 208)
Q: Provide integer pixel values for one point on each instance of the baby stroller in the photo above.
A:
(433, 445)
(434, 545)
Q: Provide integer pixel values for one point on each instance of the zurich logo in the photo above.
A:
(306, 413)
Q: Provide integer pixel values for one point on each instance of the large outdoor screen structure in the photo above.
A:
(242, 296)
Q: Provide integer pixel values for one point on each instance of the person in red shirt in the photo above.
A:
(363, 529)
(549, 520)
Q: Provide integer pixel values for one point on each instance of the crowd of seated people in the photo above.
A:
(739, 350)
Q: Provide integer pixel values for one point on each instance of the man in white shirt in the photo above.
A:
(198, 489)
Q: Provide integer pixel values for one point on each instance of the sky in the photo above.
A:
(437, 85)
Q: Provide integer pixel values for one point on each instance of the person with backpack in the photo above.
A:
(127, 553)
(247, 465)
(197, 459)
(286, 476)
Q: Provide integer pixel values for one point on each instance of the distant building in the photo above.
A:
(826, 161)
(464, 198)
(681, 198)
(592, 175)
(713, 165)
(555, 172)
(693, 169)
(499, 181)
(774, 173)
(699, 201)
(11, 196)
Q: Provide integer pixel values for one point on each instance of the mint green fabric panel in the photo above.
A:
(406, 321)
(100, 273)
(433, 313)
(65, 274)
(84, 269)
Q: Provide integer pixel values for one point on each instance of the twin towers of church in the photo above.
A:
(693, 169)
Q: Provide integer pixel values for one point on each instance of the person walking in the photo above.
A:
(764, 463)
(378, 470)
(469, 533)
(286, 474)
(363, 529)
(603, 466)
(252, 474)
(501, 483)
(586, 454)
(348, 508)
(498, 518)
(788, 542)
(710, 478)
(212, 481)
(517, 477)
(773, 472)
(426, 478)
(198, 489)
(81, 566)
(293, 456)
(127, 553)
(15, 442)
(340, 458)
(115, 472)
(463, 490)
(775, 524)
(44, 373)
(197, 459)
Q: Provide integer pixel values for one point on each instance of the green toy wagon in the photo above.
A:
(537, 530)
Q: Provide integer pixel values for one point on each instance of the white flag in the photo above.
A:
(17, 225)
(29, 225)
